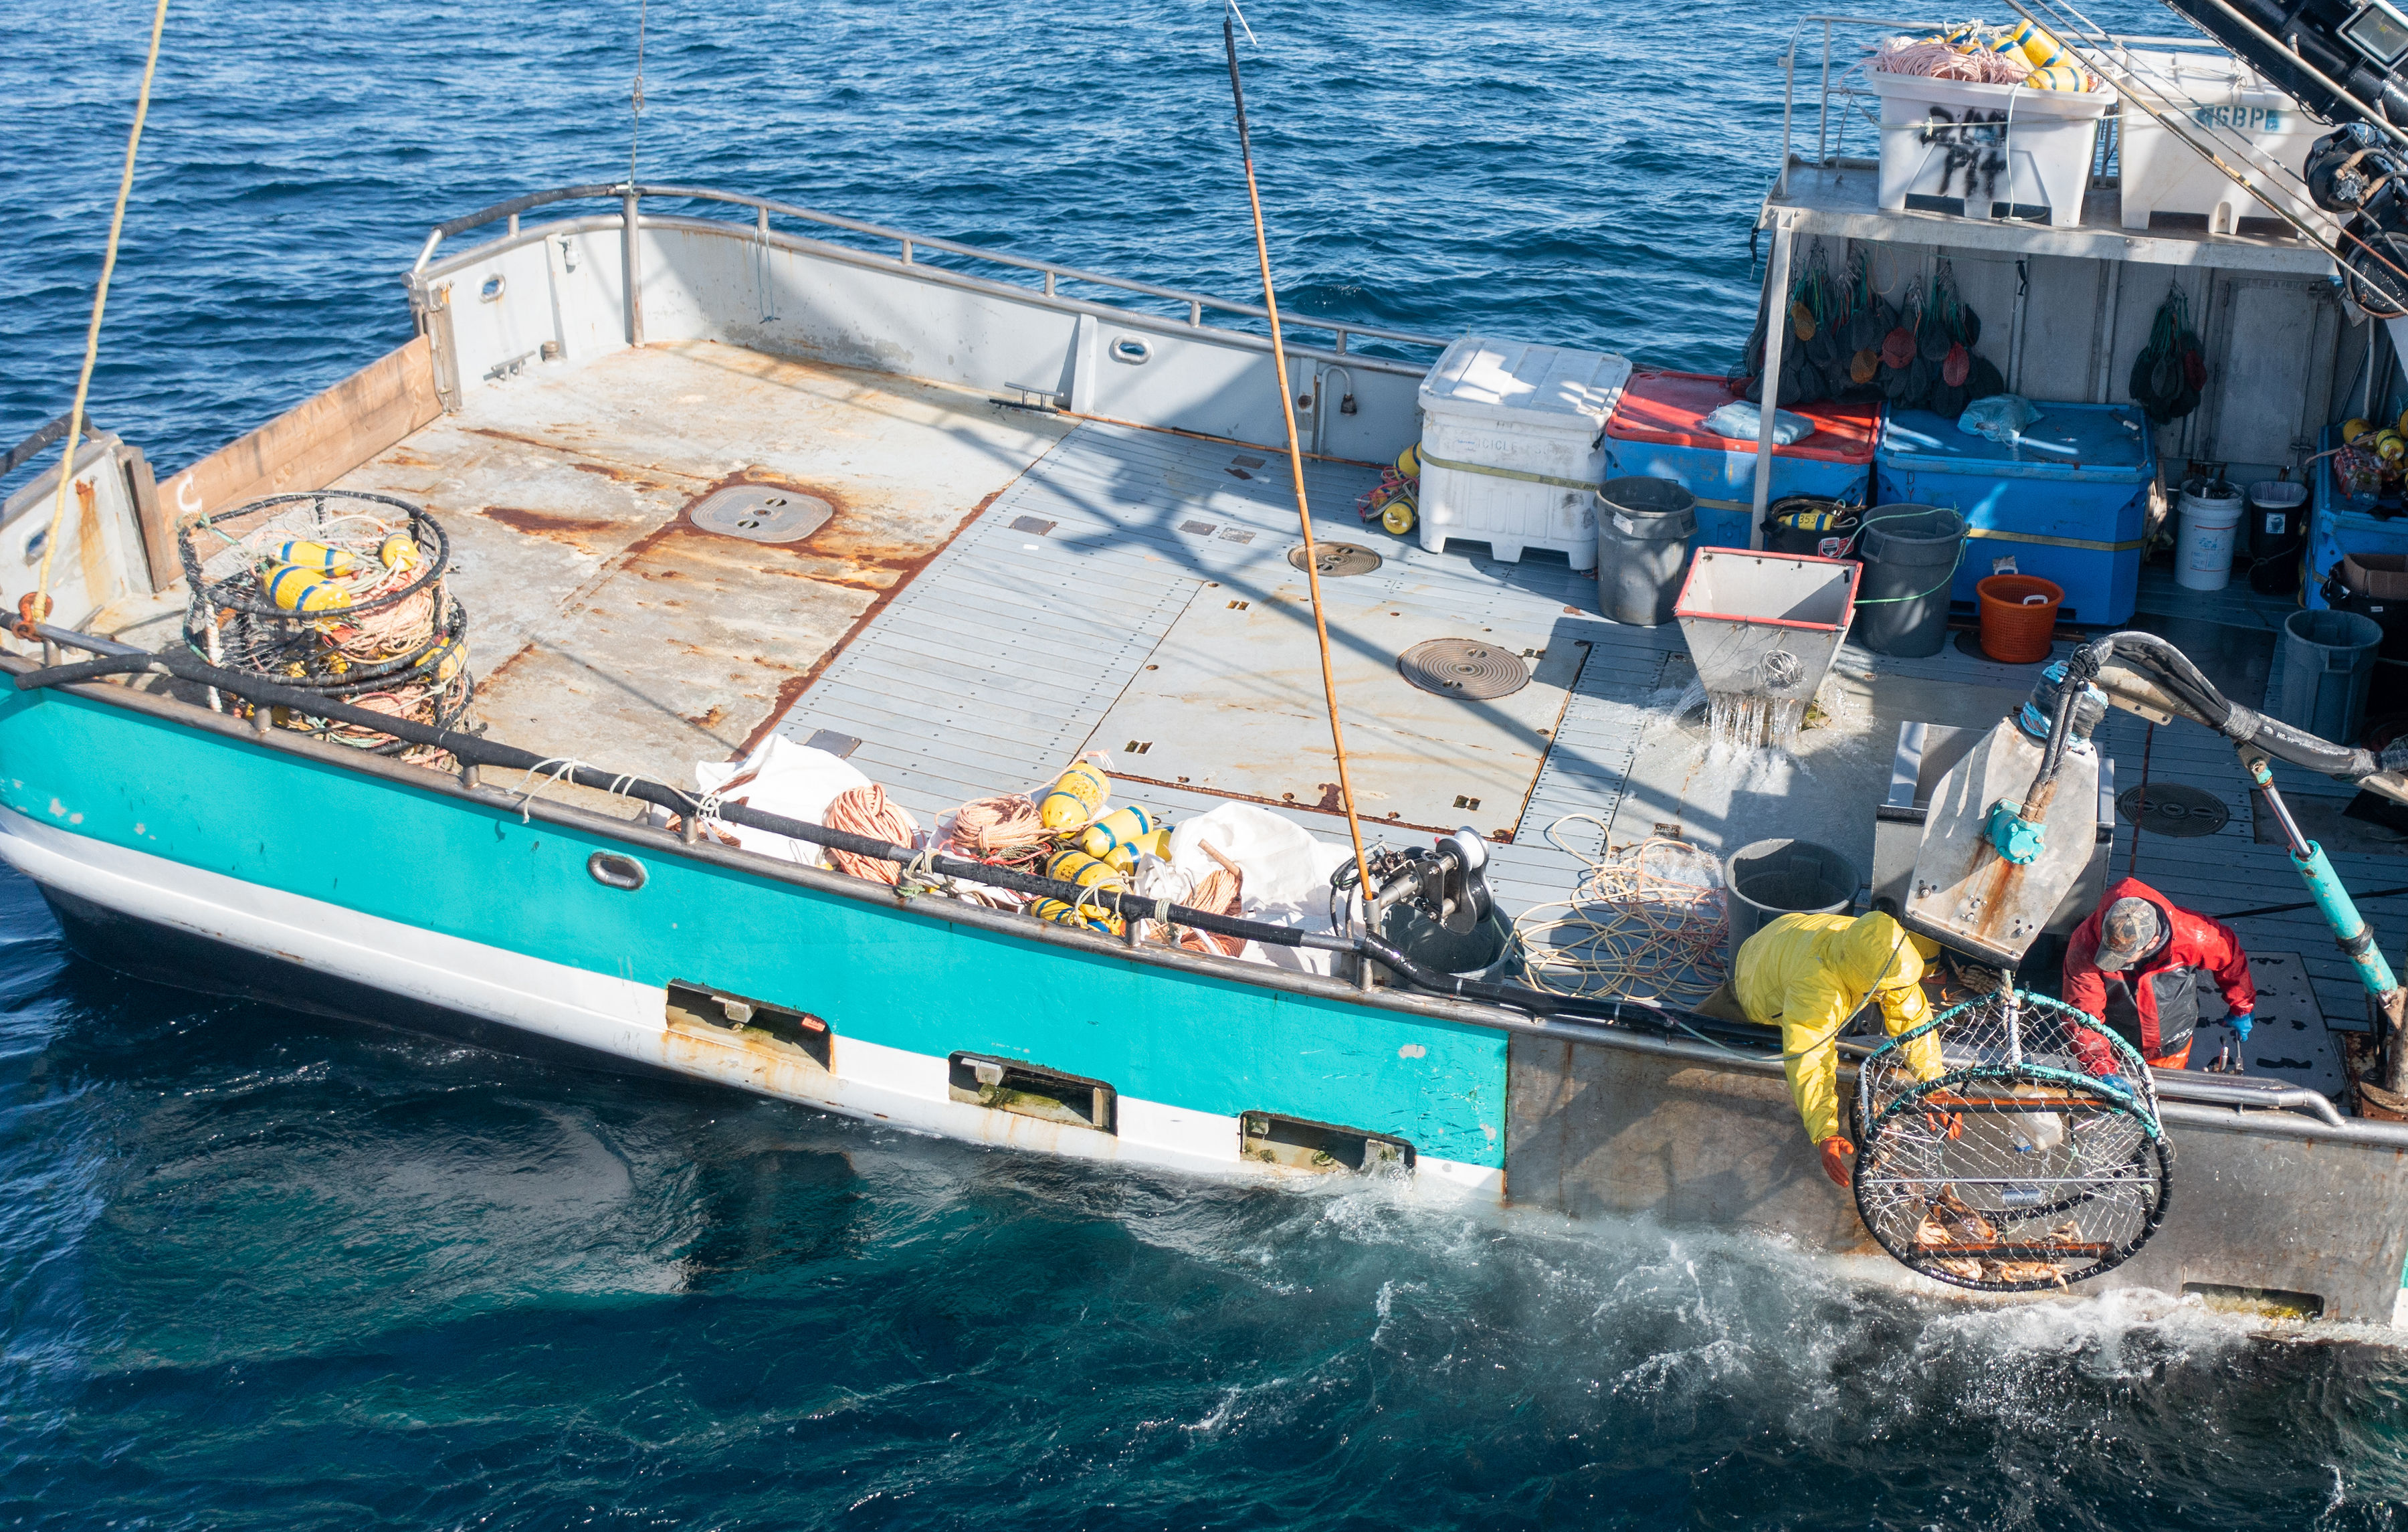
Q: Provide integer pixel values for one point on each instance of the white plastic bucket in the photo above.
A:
(2210, 527)
(1986, 148)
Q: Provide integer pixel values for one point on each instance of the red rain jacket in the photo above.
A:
(2153, 1004)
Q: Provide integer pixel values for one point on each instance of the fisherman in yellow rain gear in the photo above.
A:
(1810, 975)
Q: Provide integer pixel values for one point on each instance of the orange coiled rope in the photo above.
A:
(867, 812)
(992, 828)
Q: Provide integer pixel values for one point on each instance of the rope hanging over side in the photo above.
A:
(35, 605)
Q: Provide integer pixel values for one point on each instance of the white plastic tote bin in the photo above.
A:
(2162, 174)
(1513, 446)
(1958, 146)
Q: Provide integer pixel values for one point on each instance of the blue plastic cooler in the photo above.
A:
(2067, 502)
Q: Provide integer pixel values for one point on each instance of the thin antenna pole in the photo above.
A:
(636, 97)
(1295, 464)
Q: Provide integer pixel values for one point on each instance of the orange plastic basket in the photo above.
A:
(2018, 617)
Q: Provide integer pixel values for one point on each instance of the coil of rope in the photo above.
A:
(867, 812)
(1646, 921)
(997, 828)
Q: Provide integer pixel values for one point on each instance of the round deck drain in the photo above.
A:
(2172, 808)
(762, 513)
(1463, 667)
(1336, 560)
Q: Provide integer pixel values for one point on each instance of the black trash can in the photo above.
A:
(2277, 521)
(1644, 527)
(1909, 555)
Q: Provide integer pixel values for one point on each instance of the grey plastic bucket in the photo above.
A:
(1766, 879)
(2328, 664)
(1909, 555)
(1643, 526)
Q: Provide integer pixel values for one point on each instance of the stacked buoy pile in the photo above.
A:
(338, 594)
(1394, 501)
(2018, 55)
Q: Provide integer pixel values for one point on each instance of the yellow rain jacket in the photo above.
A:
(1807, 974)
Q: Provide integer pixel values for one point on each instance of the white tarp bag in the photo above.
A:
(779, 778)
(1285, 876)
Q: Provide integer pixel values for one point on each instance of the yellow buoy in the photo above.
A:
(1116, 828)
(1124, 857)
(1398, 515)
(2057, 77)
(451, 658)
(1074, 799)
(2389, 446)
(2041, 49)
(316, 557)
(2353, 429)
(296, 589)
(1076, 867)
(1089, 916)
(1409, 462)
(398, 551)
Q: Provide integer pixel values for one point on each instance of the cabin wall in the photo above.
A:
(2282, 353)
(491, 310)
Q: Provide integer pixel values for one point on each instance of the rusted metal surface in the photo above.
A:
(604, 622)
(1596, 1131)
(1963, 893)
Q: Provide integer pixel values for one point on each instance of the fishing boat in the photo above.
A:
(714, 470)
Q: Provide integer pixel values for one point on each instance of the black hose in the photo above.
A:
(474, 749)
(2173, 670)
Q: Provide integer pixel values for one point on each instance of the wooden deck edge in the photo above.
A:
(306, 448)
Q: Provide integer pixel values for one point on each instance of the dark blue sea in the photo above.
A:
(265, 1269)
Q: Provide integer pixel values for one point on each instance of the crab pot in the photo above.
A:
(1764, 625)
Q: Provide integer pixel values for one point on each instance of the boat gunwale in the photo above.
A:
(630, 197)
(420, 281)
(2357, 1132)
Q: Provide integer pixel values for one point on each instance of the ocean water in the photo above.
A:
(266, 1270)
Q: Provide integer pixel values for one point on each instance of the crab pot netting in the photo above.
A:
(1994, 1155)
(381, 630)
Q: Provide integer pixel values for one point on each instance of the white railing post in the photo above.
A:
(1777, 330)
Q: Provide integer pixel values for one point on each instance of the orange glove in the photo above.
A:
(1839, 1155)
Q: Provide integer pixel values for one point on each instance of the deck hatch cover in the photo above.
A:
(1336, 560)
(2173, 809)
(1470, 668)
(762, 512)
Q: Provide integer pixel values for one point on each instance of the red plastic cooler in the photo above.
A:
(1655, 431)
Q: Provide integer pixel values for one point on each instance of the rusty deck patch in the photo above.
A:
(608, 623)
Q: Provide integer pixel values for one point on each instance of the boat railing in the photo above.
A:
(909, 247)
(1839, 97)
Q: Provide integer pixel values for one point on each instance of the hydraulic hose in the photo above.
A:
(2173, 670)
(473, 749)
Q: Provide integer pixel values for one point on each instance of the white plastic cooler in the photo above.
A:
(1513, 446)
(2161, 173)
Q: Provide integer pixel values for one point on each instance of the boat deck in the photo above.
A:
(999, 589)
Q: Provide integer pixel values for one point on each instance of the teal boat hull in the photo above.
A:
(341, 871)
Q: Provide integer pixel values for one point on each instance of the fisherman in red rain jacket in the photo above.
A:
(2131, 964)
